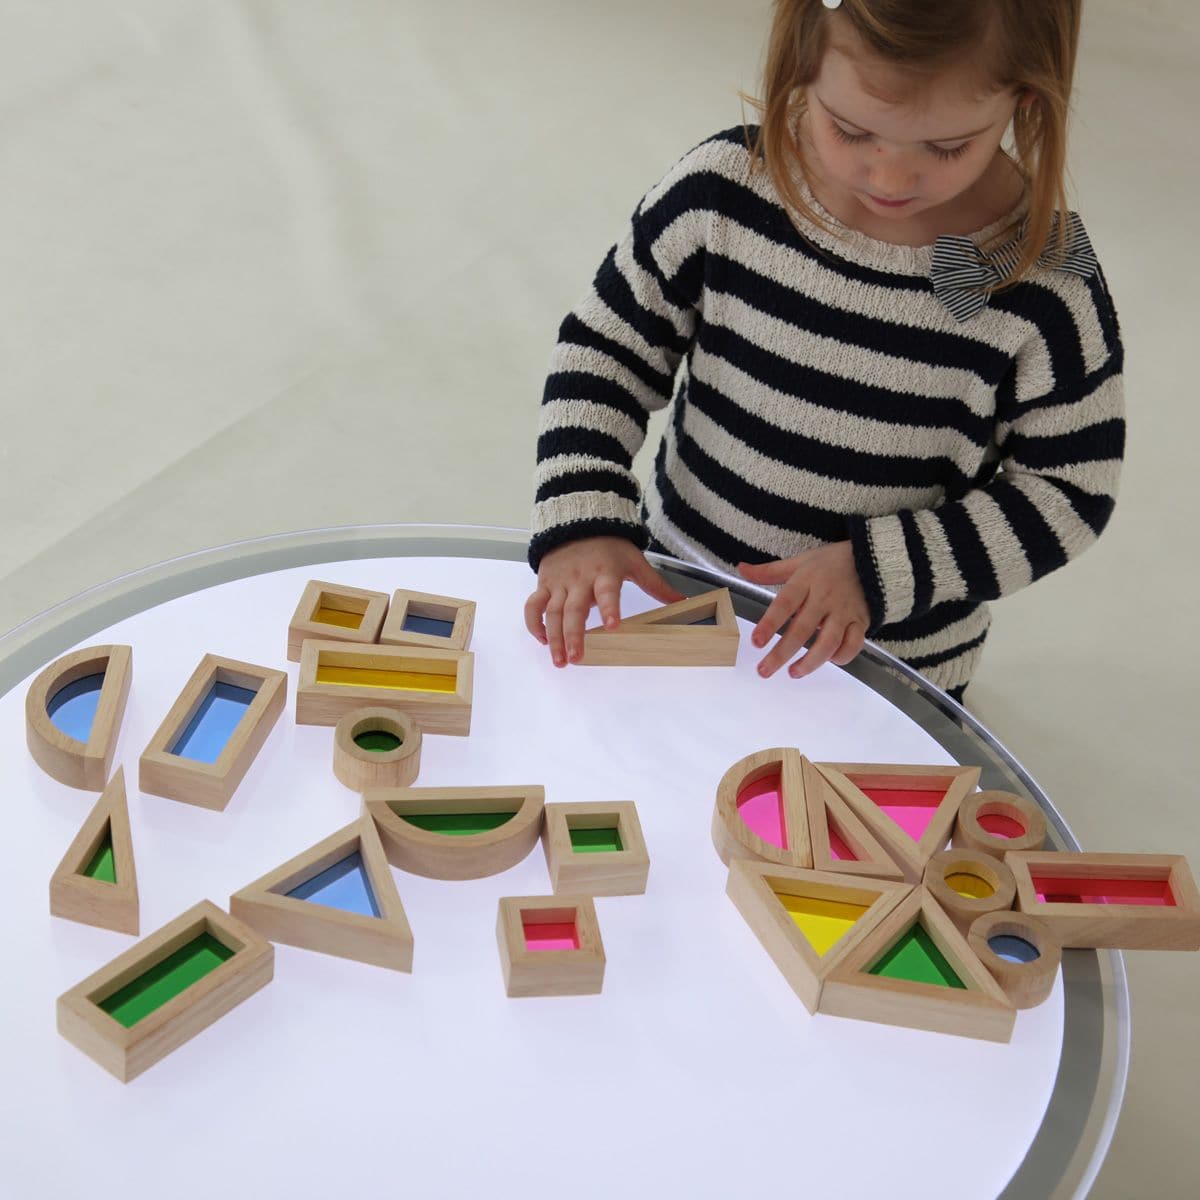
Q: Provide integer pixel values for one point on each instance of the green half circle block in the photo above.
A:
(458, 824)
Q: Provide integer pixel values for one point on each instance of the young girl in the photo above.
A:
(900, 393)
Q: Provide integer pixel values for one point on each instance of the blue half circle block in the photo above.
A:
(344, 885)
(73, 708)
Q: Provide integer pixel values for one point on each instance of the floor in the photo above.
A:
(272, 266)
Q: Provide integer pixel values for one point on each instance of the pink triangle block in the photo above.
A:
(911, 810)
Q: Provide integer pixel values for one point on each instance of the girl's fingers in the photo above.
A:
(777, 615)
(554, 627)
(535, 606)
(852, 644)
(575, 614)
(608, 600)
(653, 584)
(802, 626)
(820, 652)
(779, 571)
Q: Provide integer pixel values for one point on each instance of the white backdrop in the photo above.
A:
(696, 1073)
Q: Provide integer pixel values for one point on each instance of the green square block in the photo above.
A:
(596, 841)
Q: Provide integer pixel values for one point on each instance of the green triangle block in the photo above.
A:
(916, 958)
(103, 865)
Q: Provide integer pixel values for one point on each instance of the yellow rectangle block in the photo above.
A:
(400, 681)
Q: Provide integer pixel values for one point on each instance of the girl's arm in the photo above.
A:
(1060, 434)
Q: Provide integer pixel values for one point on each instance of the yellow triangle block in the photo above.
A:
(808, 921)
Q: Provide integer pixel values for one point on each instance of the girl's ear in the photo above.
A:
(1025, 99)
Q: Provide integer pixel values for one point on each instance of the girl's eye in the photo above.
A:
(947, 155)
(849, 138)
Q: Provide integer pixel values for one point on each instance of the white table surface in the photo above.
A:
(695, 1073)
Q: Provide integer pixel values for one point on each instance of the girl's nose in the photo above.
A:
(891, 176)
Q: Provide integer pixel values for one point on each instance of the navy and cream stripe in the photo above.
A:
(828, 387)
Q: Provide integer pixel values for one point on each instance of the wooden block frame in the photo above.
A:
(668, 637)
(1111, 926)
(127, 1052)
(383, 941)
(76, 896)
(453, 856)
(911, 856)
(323, 703)
(755, 889)
(980, 1009)
(578, 972)
(733, 838)
(1025, 984)
(969, 833)
(84, 765)
(361, 769)
(211, 785)
(460, 614)
(964, 909)
(828, 816)
(607, 873)
(370, 606)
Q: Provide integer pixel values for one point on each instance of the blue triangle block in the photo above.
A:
(344, 885)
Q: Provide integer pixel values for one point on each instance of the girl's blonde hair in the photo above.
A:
(1026, 46)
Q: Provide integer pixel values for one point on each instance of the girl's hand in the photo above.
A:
(822, 594)
(573, 577)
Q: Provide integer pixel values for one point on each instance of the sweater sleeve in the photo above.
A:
(615, 363)
(1059, 436)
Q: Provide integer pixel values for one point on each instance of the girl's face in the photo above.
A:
(901, 158)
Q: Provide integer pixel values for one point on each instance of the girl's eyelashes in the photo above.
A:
(852, 139)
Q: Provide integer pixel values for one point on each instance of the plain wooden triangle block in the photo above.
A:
(738, 830)
(977, 1009)
(852, 782)
(775, 901)
(78, 896)
(840, 841)
(431, 831)
(80, 764)
(385, 940)
(670, 636)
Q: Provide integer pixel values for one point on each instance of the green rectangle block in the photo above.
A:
(596, 841)
(166, 980)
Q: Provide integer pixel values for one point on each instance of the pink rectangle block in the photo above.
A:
(1103, 891)
(556, 935)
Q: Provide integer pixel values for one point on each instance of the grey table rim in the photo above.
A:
(1080, 1120)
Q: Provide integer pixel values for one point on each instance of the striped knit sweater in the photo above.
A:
(823, 392)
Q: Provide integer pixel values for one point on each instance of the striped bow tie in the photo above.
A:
(961, 272)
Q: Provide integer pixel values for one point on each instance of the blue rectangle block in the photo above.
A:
(209, 731)
(344, 885)
(428, 625)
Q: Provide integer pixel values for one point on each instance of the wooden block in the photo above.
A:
(807, 921)
(998, 822)
(840, 841)
(595, 849)
(760, 810)
(79, 763)
(671, 636)
(411, 610)
(317, 899)
(456, 833)
(176, 766)
(1025, 972)
(334, 612)
(96, 881)
(1110, 901)
(967, 884)
(917, 939)
(432, 686)
(361, 757)
(926, 799)
(207, 962)
(550, 946)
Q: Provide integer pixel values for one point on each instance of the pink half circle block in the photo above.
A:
(760, 805)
